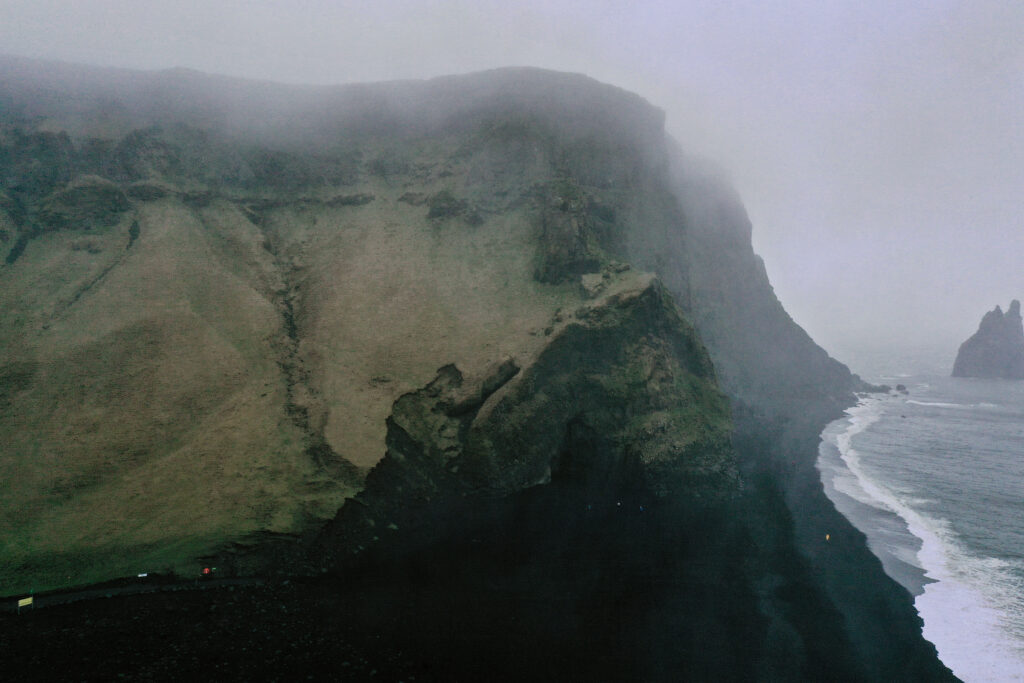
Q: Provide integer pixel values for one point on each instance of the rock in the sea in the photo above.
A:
(997, 349)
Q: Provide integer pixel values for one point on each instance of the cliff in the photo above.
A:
(491, 344)
(996, 350)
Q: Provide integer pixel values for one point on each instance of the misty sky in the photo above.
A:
(879, 146)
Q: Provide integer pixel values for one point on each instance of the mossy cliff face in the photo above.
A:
(626, 367)
(620, 396)
(356, 328)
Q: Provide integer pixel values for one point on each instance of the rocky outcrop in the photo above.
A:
(567, 246)
(622, 395)
(996, 350)
(87, 203)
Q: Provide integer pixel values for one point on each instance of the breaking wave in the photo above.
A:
(970, 603)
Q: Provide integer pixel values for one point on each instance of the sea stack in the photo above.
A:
(997, 349)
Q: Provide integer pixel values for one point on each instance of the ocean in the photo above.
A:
(934, 477)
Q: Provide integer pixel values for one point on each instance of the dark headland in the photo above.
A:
(474, 378)
(996, 350)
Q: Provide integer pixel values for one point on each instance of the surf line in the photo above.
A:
(949, 606)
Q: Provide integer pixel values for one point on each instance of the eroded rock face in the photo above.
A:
(623, 395)
(567, 246)
(88, 202)
(996, 350)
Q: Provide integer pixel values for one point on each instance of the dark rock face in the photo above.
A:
(87, 203)
(996, 350)
(783, 389)
(567, 243)
(623, 397)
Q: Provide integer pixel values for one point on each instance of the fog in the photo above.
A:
(877, 146)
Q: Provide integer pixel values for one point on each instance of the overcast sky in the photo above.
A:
(878, 144)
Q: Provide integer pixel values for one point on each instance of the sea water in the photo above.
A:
(934, 477)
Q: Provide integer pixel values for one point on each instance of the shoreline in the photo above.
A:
(936, 573)
(873, 516)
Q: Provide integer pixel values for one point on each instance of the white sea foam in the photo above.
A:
(850, 487)
(862, 416)
(939, 404)
(959, 609)
(958, 406)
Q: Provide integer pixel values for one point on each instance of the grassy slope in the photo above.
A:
(154, 413)
(158, 417)
(399, 296)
